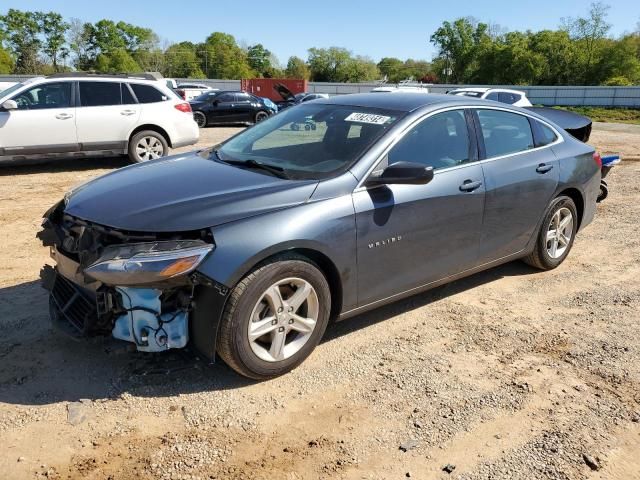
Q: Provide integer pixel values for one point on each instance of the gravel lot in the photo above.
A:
(508, 374)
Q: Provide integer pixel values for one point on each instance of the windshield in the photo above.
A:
(467, 93)
(311, 141)
(11, 89)
(206, 96)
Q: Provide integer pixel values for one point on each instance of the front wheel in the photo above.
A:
(274, 318)
(556, 235)
(147, 145)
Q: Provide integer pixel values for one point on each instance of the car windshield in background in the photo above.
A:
(206, 96)
(11, 89)
(310, 141)
(467, 93)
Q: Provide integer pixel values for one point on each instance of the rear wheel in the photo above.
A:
(274, 318)
(556, 235)
(200, 118)
(147, 145)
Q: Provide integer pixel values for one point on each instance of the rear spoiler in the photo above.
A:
(576, 125)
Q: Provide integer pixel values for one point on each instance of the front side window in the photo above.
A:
(148, 93)
(99, 94)
(504, 132)
(46, 95)
(440, 141)
(311, 141)
(494, 96)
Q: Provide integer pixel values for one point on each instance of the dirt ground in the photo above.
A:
(508, 374)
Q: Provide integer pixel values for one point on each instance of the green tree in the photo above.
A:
(458, 46)
(259, 59)
(223, 58)
(181, 61)
(589, 33)
(115, 61)
(6, 61)
(297, 68)
(392, 68)
(22, 35)
(54, 29)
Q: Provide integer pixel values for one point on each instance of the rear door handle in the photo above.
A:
(543, 168)
(64, 116)
(127, 112)
(470, 186)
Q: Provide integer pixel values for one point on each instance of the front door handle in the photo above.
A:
(64, 116)
(127, 112)
(543, 168)
(470, 186)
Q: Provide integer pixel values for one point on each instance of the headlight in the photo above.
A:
(144, 263)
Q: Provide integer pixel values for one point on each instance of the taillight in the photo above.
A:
(598, 159)
(183, 107)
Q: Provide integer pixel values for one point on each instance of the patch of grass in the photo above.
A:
(611, 115)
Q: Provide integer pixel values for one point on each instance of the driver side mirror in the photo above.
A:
(404, 173)
(10, 105)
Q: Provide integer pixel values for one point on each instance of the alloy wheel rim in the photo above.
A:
(559, 233)
(260, 116)
(283, 319)
(200, 119)
(149, 148)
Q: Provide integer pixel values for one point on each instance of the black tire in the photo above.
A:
(139, 138)
(200, 119)
(540, 257)
(233, 344)
(260, 116)
(604, 191)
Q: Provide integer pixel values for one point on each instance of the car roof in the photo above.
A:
(401, 101)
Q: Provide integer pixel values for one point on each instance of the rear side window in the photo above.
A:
(148, 93)
(504, 132)
(98, 94)
(440, 141)
(506, 97)
(493, 96)
(545, 135)
(226, 98)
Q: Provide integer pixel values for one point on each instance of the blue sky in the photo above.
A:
(374, 28)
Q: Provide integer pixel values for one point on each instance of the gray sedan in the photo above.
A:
(248, 249)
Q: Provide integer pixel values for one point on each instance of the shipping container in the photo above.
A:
(263, 87)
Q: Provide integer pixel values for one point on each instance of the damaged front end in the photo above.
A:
(137, 286)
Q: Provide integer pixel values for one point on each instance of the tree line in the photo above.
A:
(579, 52)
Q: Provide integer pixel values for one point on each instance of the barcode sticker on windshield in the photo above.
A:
(367, 118)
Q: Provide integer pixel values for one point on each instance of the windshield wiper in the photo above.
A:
(251, 163)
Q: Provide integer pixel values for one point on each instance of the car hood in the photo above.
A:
(284, 92)
(182, 193)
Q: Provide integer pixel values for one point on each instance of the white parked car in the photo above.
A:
(75, 114)
(189, 91)
(502, 95)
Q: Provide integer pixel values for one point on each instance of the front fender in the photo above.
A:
(326, 226)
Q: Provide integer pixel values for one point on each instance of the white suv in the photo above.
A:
(502, 95)
(87, 115)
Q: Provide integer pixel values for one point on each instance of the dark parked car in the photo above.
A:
(217, 107)
(248, 249)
